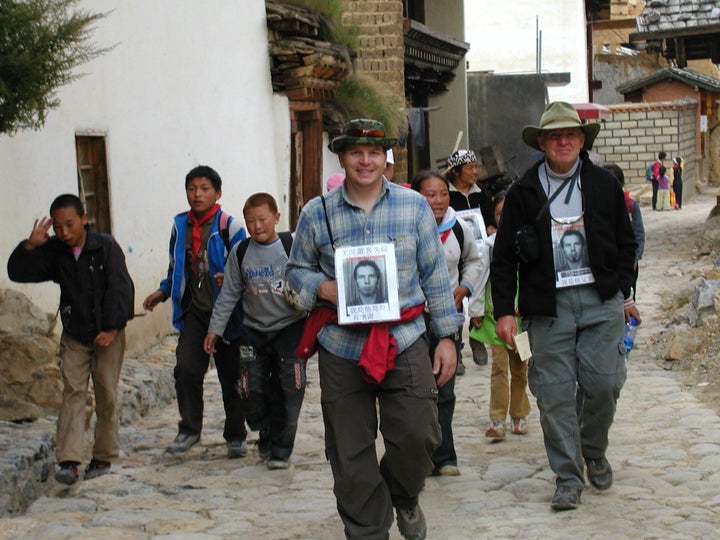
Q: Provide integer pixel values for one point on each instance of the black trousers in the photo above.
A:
(192, 363)
(273, 379)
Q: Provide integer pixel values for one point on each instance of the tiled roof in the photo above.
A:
(684, 75)
(662, 15)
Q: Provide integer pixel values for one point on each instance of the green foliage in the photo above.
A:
(41, 42)
(330, 12)
(365, 98)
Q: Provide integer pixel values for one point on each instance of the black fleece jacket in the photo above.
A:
(96, 291)
(610, 243)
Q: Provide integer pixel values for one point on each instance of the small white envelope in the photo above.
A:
(522, 346)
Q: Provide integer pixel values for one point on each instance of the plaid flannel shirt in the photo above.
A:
(400, 216)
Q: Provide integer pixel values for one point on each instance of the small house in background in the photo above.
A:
(683, 32)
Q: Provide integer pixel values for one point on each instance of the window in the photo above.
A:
(93, 180)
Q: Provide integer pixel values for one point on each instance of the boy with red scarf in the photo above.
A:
(200, 241)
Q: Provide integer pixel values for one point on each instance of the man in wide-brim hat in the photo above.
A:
(574, 320)
(368, 210)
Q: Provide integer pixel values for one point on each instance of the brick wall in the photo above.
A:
(381, 54)
(634, 133)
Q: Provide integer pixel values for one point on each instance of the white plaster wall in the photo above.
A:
(502, 39)
(186, 83)
(452, 118)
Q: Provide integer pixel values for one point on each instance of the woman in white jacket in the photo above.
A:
(464, 268)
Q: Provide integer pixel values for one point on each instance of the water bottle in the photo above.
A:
(629, 335)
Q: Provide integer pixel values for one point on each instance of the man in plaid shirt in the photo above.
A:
(369, 209)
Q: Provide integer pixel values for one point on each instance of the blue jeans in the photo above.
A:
(272, 380)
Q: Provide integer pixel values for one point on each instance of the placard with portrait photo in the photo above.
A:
(572, 264)
(367, 284)
(475, 221)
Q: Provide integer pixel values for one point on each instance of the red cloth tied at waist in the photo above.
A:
(378, 354)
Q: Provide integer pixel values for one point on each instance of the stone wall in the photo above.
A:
(381, 54)
(31, 393)
(634, 133)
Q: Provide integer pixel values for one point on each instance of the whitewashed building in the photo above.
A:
(185, 83)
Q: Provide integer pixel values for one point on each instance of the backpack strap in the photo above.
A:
(285, 237)
(460, 235)
(224, 229)
(287, 241)
(241, 250)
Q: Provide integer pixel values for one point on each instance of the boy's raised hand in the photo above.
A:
(39, 234)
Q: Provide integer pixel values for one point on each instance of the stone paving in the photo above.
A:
(665, 451)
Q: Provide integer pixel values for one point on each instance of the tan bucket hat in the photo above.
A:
(559, 115)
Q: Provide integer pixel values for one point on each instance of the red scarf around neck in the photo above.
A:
(196, 223)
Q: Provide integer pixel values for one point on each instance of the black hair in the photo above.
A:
(261, 199)
(420, 177)
(615, 169)
(499, 197)
(679, 160)
(572, 232)
(662, 171)
(68, 200)
(662, 155)
(203, 171)
(367, 262)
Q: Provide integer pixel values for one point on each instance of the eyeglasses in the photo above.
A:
(359, 132)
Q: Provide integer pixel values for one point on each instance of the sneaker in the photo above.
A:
(68, 473)
(264, 446)
(566, 498)
(479, 352)
(183, 442)
(519, 426)
(411, 523)
(236, 449)
(96, 468)
(599, 473)
(460, 370)
(276, 463)
(447, 470)
(496, 430)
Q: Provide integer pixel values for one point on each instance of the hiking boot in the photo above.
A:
(236, 449)
(566, 498)
(68, 473)
(276, 463)
(599, 473)
(264, 446)
(479, 352)
(519, 426)
(460, 370)
(96, 468)
(411, 523)
(446, 470)
(496, 430)
(183, 442)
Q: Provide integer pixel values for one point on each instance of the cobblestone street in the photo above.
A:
(664, 449)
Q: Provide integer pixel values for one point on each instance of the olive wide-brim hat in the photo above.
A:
(362, 131)
(559, 115)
